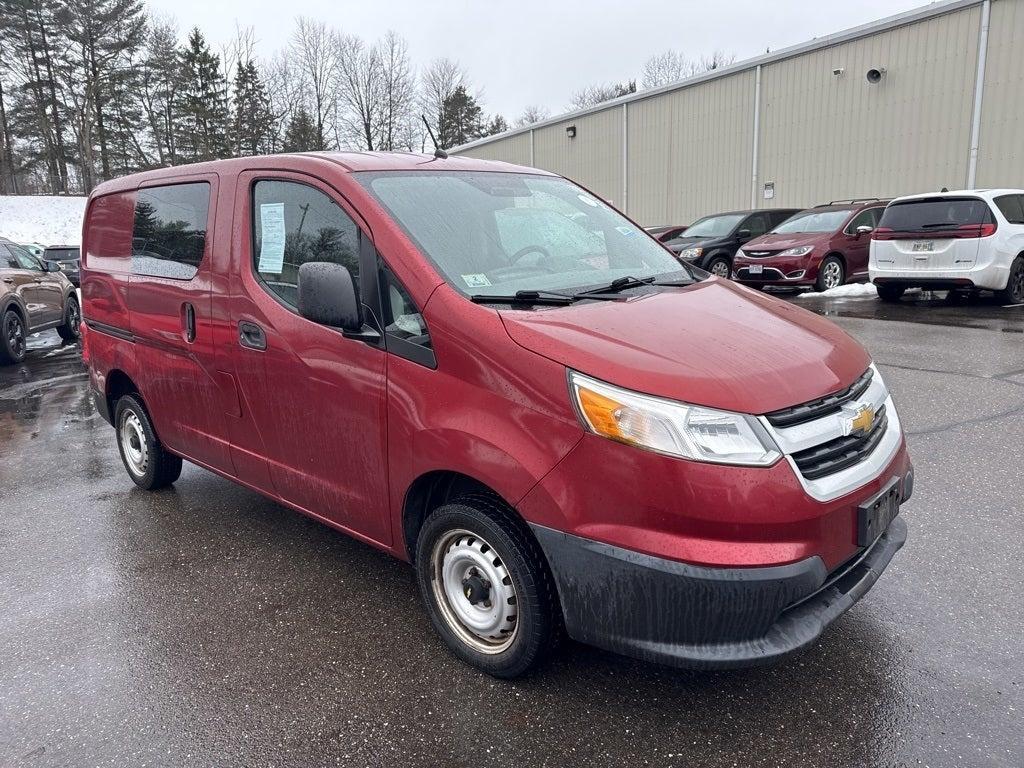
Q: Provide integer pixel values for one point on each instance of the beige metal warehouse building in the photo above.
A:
(804, 125)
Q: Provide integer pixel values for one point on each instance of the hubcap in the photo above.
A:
(475, 592)
(133, 443)
(720, 269)
(15, 334)
(833, 274)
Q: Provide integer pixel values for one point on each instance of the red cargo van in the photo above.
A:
(487, 371)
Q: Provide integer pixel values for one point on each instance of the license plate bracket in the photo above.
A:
(875, 514)
(924, 246)
(755, 269)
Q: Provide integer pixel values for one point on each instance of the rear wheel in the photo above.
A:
(890, 292)
(487, 587)
(719, 266)
(1013, 293)
(831, 274)
(12, 338)
(149, 464)
(70, 330)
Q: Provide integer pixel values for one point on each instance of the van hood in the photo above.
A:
(682, 243)
(715, 344)
(772, 242)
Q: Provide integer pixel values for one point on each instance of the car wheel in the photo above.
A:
(71, 330)
(720, 267)
(890, 292)
(12, 338)
(148, 463)
(487, 587)
(1013, 293)
(831, 274)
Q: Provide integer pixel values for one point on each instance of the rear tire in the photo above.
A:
(71, 330)
(1013, 293)
(831, 274)
(12, 338)
(487, 587)
(890, 292)
(148, 463)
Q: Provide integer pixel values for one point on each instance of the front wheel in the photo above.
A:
(720, 267)
(831, 274)
(71, 329)
(1013, 293)
(487, 587)
(890, 292)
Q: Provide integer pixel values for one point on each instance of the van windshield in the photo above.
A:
(489, 232)
(714, 226)
(812, 221)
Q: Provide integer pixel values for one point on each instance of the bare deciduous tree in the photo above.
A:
(314, 50)
(672, 66)
(532, 114)
(438, 84)
(595, 94)
(398, 94)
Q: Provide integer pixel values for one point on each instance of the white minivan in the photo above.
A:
(945, 241)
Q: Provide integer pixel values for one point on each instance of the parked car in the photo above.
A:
(68, 257)
(951, 240)
(711, 243)
(822, 247)
(34, 296)
(485, 399)
(665, 232)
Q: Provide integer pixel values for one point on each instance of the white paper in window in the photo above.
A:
(272, 238)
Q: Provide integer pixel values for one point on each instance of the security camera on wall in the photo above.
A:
(875, 75)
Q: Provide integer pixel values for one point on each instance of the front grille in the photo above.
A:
(798, 414)
(842, 452)
(760, 254)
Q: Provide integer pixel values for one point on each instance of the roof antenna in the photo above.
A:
(944, 189)
(439, 153)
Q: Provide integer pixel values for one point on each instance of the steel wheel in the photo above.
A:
(134, 444)
(14, 333)
(474, 591)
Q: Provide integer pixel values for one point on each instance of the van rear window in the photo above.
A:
(169, 237)
(935, 214)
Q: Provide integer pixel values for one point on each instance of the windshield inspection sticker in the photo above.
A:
(475, 281)
(272, 238)
(626, 230)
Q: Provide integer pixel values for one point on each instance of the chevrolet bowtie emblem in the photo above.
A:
(858, 419)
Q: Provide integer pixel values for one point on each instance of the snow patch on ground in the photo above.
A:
(43, 219)
(849, 291)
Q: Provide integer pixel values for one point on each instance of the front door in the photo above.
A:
(313, 403)
(856, 248)
(46, 298)
(21, 283)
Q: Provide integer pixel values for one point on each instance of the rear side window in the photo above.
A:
(108, 232)
(935, 214)
(293, 224)
(1012, 207)
(169, 237)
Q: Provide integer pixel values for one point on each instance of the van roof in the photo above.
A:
(986, 194)
(346, 162)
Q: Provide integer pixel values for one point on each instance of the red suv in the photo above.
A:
(466, 364)
(822, 247)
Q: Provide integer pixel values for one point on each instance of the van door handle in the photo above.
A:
(190, 323)
(251, 336)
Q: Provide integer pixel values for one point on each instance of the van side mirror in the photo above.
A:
(743, 234)
(864, 229)
(327, 295)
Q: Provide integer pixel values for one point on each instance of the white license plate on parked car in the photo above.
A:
(924, 245)
(755, 269)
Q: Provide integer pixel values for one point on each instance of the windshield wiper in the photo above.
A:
(619, 284)
(939, 225)
(524, 297)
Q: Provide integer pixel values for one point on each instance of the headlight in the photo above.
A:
(803, 250)
(669, 427)
(691, 253)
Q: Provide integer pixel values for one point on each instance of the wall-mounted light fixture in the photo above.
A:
(838, 71)
(571, 131)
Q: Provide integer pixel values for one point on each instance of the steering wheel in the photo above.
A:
(518, 255)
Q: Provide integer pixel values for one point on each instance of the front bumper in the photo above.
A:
(795, 270)
(684, 615)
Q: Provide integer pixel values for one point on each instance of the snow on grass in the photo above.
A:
(43, 219)
(848, 291)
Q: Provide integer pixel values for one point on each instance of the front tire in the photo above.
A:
(890, 292)
(831, 274)
(149, 464)
(71, 329)
(12, 338)
(1013, 293)
(487, 588)
(720, 266)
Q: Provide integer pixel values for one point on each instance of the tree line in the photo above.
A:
(94, 89)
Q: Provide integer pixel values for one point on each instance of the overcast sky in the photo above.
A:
(540, 51)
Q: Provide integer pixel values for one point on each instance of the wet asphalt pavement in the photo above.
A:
(203, 625)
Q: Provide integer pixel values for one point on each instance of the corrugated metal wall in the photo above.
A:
(1001, 149)
(821, 136)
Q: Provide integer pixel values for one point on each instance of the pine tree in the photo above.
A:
(253, 120)
(203, 117)
(160, 82)
(461, 119)
(301, 133)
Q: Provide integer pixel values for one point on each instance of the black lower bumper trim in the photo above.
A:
(704, 618)
(102, 406)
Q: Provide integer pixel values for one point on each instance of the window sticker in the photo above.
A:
(475, 280)
(272, 236)
(626, 230)
(588, 201)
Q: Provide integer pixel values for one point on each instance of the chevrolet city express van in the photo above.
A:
(487, 371)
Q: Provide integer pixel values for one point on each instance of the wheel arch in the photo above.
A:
(119, 384)
(13, 302)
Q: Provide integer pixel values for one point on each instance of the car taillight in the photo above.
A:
(977, 230)
(882, 233)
